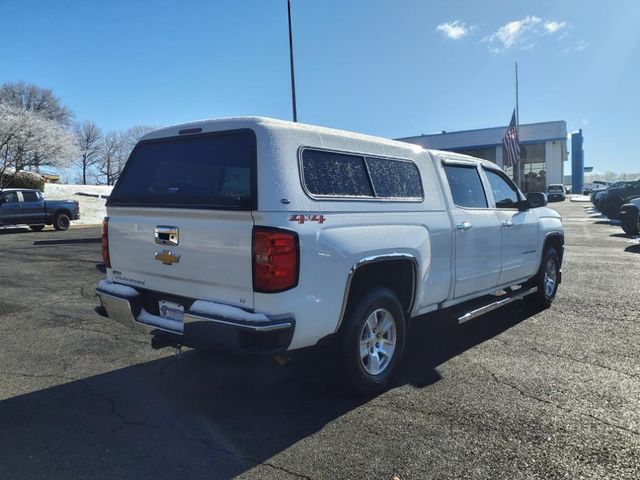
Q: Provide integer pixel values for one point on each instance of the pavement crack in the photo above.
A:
(525, 394)
(567, 357)
(126, 422)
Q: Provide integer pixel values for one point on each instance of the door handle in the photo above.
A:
(507, 224)
(464, 226)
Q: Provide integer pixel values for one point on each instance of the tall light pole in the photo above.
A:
(519, 175)
(293, 76)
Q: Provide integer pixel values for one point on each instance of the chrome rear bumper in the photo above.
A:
(199, 330)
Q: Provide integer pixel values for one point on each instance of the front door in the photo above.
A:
(520, 233)
(32, 207)
(477, 231)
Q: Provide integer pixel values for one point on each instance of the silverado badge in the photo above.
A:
(167, 258)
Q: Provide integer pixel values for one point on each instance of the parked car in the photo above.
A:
(262, 236)
(598, 197)
(630, 217)
(20, 206)
(555, 193)
(617, 196)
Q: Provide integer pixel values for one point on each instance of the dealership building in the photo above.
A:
(543, 150)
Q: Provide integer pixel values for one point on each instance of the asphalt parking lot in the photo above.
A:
(516, 394)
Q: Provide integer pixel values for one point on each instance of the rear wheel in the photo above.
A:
(546, 280)
(630, 221)
(61, 221)
(372, 341)
(36, 228)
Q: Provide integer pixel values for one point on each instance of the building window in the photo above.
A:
(534, 163)
(533, 153)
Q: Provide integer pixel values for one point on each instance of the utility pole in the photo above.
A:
(519, 174)
(293, 76)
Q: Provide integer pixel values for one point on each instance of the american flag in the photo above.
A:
(511, 144)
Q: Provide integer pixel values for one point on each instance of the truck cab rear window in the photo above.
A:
(334, 174)
(203, 171)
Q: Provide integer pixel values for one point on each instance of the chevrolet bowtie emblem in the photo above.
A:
(167, 258)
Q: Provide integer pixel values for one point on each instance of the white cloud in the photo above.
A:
(513, 33)
(524, 33)
(553, 26)
(454, 30)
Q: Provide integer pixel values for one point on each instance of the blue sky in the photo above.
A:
(389, 68)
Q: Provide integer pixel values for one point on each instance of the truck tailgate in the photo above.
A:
(209, 256)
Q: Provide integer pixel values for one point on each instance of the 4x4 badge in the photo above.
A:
(167, 258)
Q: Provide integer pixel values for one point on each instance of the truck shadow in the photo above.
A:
(68, 241)
(633, 249)
(204, 415)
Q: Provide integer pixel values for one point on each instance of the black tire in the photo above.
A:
(630, 221)
(61, 221)
(36, 228)
(544, 297)
(354, 366)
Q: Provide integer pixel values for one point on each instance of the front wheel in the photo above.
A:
(61, 221)
(372, 341)
(547, 280)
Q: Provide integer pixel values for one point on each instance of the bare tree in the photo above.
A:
(89, 143)
(116, 148)
(111, 155)
(36, 99)
(133, 134)
(27, 139)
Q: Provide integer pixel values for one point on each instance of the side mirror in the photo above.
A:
(537, 199)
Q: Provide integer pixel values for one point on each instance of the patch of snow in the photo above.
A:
(92, 210)
(108, 286)
(217, 310)
(580, 198)
(163, 323)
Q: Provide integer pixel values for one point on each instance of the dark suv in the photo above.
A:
(617, 196)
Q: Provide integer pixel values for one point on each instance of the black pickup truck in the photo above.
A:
(21, 206)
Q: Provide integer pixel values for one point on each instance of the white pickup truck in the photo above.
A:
(263, 236)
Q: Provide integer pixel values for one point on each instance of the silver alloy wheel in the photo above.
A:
(550, 276)
(378, 341)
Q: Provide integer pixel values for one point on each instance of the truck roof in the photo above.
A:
(226, 123)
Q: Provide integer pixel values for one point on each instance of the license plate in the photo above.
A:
(171, 310)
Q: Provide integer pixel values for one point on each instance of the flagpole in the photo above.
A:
(519, 166)
(293, 77)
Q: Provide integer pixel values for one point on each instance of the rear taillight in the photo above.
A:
(275, 260)
(105, 243)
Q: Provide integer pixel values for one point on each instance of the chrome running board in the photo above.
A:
(512, 297)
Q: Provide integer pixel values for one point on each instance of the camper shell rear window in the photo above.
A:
(210, 170)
